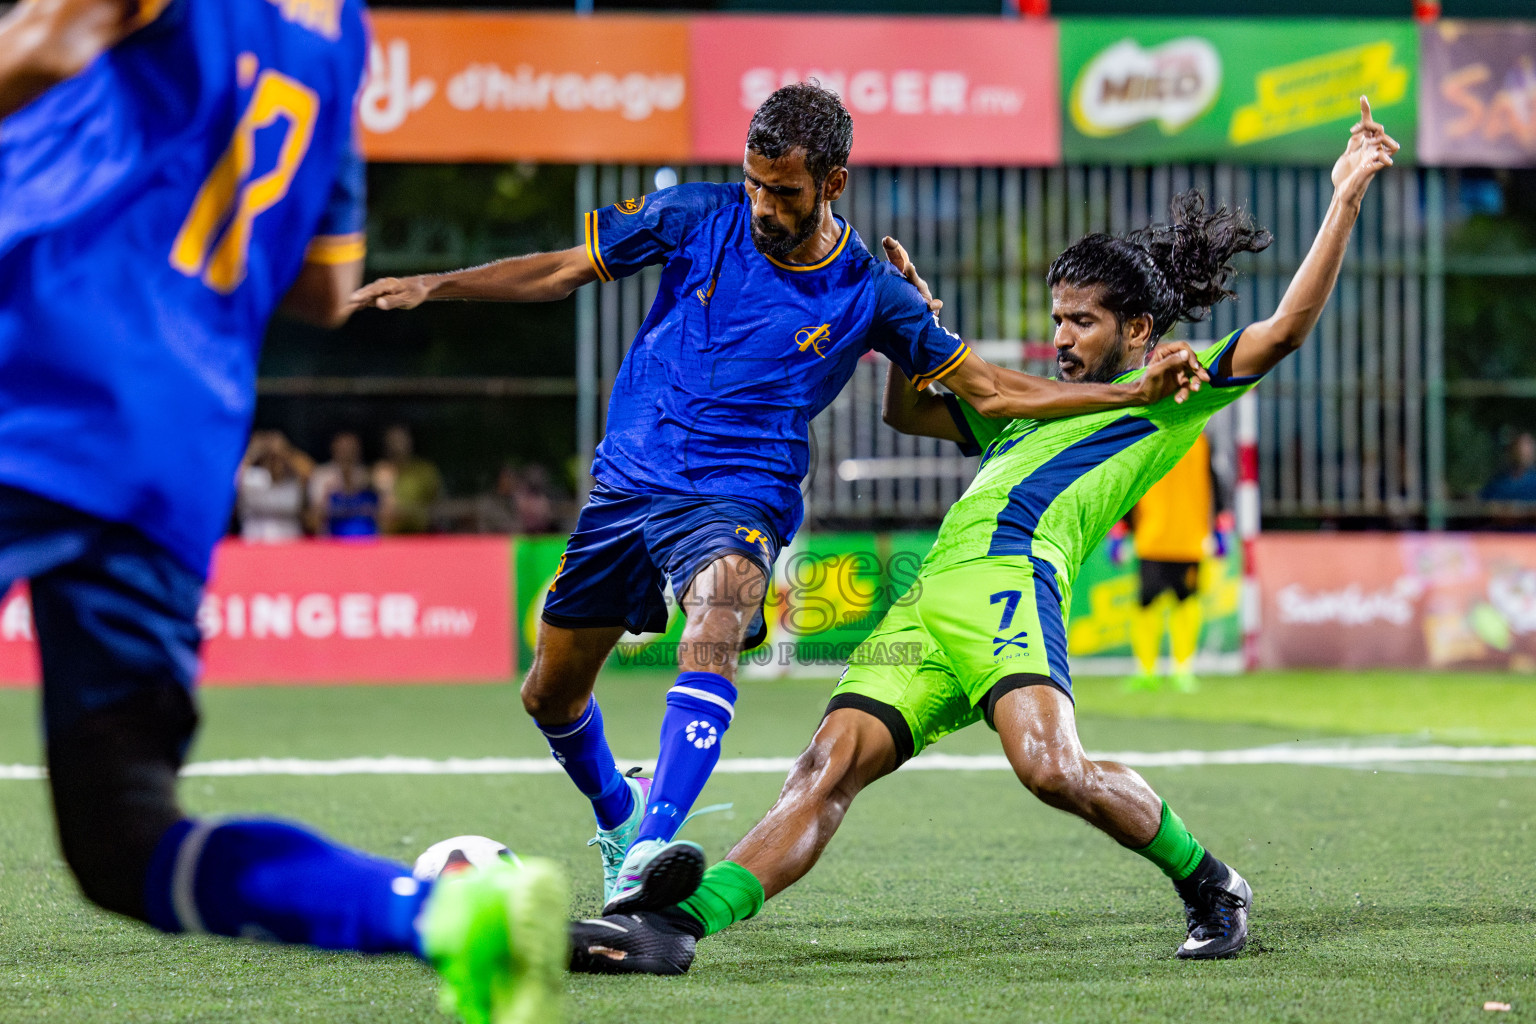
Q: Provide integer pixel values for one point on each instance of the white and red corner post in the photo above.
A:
(1247, 501)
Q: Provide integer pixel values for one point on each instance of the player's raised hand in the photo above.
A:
(1174, 370)
(902, 262)
(1369, 151)
(391, 293)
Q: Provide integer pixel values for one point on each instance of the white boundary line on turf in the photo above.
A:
(1319, 756)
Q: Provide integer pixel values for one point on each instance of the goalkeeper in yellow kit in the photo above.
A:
(1172, 525)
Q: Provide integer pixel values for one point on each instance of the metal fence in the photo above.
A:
(1351, 426)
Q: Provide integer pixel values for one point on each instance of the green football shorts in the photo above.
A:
(932, 665)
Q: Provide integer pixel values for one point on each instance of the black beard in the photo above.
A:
(780, 245)
(1108, 368)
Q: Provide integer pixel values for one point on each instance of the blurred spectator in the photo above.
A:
(1518, 482)
(523, 502)
(342, 501)
(408, 485)
(270, 489)
(528, 493)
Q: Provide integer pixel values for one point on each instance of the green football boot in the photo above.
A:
(497, 938)
(613, 843)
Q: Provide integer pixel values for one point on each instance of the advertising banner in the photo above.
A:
(460, 86)
(1398, 601)
(1477, 96)
(961, 91)
(1106, 597)
(1285, 91)
(830, 589)
(402, 610)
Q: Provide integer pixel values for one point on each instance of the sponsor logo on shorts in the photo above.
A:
(753, 536)
(630, 205)
(1001, 644)
(558, 570)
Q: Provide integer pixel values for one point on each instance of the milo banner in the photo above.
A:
(1477, 99)
(1160, 90)
(1398, 600)
(830, 589)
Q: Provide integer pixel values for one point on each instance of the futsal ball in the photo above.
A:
(460, 853)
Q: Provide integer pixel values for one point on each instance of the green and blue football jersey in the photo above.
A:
(1052, 489)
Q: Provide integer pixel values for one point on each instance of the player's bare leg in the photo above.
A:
(720, 603)
(564, 671)
(850, 750)
(1039, 733)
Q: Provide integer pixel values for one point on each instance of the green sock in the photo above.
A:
(729, 893)
(1173, 849)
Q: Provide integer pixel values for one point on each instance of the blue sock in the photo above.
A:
(263, 879)
(700, 706)
(582, 750)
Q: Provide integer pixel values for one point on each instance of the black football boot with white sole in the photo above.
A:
(648, 942)
(1216, 902)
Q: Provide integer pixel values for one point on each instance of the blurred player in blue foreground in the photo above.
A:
(767, 302)
(170, 173)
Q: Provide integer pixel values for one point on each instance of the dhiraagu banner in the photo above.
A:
(1142, 90)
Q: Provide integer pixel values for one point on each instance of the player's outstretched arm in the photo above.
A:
(44, 42)
(910, 411)
(1000, 393)
(322, 293)
(542, 277)
(1264, 344)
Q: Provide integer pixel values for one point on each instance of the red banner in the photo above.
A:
(1408, 600)
(921, 90)
(400, 610)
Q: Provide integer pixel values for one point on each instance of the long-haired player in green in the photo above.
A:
(989, 605)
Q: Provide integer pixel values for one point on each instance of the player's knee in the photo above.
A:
(113, 780)
(552, 701)
(1057, 779)
(827, 769)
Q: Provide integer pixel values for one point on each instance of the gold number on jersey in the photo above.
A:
(230, 198)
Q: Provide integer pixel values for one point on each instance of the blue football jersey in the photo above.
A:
(740, 351)
(154, 210)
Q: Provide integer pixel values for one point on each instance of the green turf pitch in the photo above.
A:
(948, 896)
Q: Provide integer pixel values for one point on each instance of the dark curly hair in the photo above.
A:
(805, 116)
(1174, 272)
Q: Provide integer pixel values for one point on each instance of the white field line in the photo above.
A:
(1320, 756)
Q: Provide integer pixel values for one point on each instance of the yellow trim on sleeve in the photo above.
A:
(834, 254)
(332, 250)
(922, 380)
(594, 252)
(148, 11)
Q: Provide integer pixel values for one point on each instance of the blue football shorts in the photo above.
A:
(627, 547)
(114, 612)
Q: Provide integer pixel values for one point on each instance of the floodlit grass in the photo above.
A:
(1380, 896)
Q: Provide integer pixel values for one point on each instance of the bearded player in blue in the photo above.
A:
(171, 171)
(767, 302)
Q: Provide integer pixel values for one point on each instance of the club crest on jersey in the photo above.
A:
(630, 205)
(705, 296)
(813, 338)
